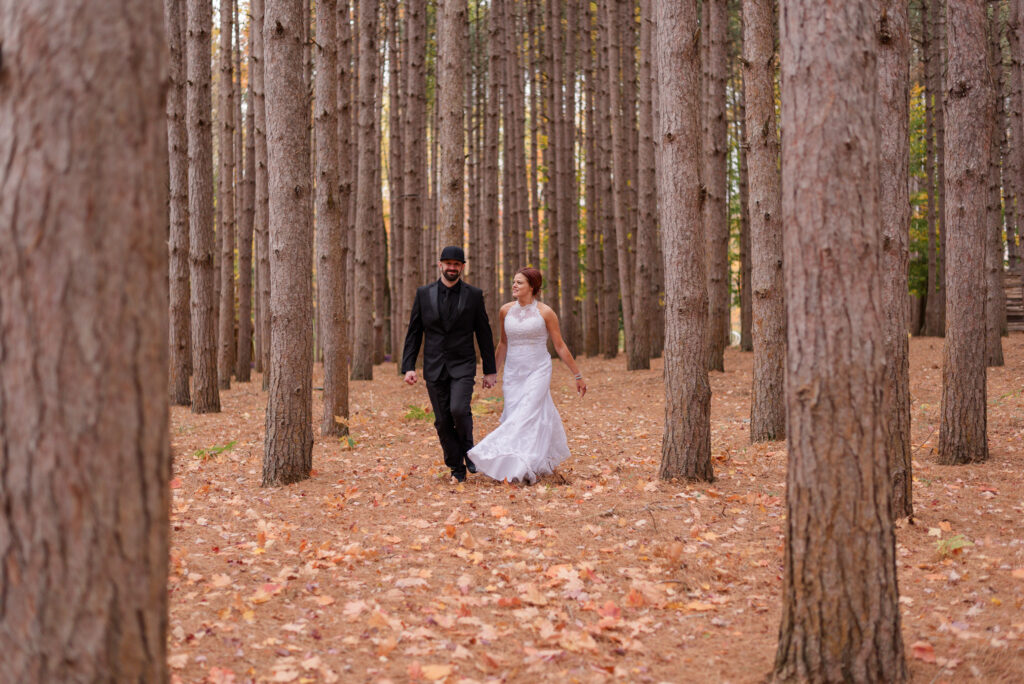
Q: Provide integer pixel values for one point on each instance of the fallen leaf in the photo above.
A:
(922, 650)
(435, 672)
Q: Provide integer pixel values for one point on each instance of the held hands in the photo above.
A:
(410, 377)
(490, 380)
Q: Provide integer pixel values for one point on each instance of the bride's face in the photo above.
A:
(519, 286)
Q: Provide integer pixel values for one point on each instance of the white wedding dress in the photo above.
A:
(530, 441)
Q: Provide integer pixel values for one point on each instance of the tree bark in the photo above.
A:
(177, 142)
(288, 455)
(491, 160)
(746, 264)
(592, 304)
(226, 202)
(451, 77)
(968, 113)
(716, 210)
(205, 395)
(415, 141)
(84, 450)
(609, 251)
(686, 444)
(768, 287)
(261, 209)
(932, 323)
(1014, 164)
(840, 613)
(396, 175)
(995, 294)
(892, 38)
(647, 221)
(366, 188)
(244, 356)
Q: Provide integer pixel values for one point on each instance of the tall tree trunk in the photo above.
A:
(892, 37)
(968, 105)
(261, 209)
(840, 612)
(226, 202)
(177, 143)
(933, 99)
(686, 444)
(1013, 170)
(592, 305)
(366, 190)
(330, 269)
(288, 456)
(716, 210)
(415, 141)
(205, 395)
(83, 372)
(768, 287)
(451, 77)
(609, 249)
(339, 393)
(396, 171)
(620, 174)
(647, 223)
(746, 264)
(937, 18)
(995, 294)
(243, 356)
(489, 177)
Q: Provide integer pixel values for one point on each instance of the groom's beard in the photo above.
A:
(451, 276)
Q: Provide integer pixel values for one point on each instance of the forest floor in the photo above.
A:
(378, 569)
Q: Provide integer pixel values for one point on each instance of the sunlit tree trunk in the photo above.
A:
(84, 447)
(840, 613)
(260, 208)
(244, 356)
(415, 141)
(716, 214)
(451, 83)
(968, 105)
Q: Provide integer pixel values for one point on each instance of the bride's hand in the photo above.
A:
(581, 387)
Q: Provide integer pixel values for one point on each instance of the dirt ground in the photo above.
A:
(378, 569)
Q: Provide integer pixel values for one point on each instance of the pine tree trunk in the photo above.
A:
(647, 223)
(686, 445)
(288, 455)
(415, 141)
(489, 178)
(768, 395)
(609, 251)
(995, 294)
(968, 105)
(840, 613)
(1013, 170)
(940, 71)
(366, 188)
(396, 171)
(243, 356)
(84, 450)
(932, 324)
(177, 143)
(205, 395)
(716, 210)
(746, 265)
(339, 393)
(226, 202)
(591, 311)
(451, 77)
(261, 209)
(892, 36)
(620, 174)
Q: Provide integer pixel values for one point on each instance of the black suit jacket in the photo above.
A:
(449, 344)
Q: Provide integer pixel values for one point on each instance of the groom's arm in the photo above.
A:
(413, 337)
(482, 328)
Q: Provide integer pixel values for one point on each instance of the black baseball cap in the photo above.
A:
(452, 253)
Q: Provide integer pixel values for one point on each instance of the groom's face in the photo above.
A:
(451, 270)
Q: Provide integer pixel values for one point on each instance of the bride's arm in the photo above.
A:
(555, 332)
(502, 349)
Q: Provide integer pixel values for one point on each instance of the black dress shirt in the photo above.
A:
(448, 300)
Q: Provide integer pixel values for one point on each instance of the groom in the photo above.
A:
(448, 312)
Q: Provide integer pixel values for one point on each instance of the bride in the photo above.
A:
(530, 441)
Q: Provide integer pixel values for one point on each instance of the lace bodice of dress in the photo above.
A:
(524, 326)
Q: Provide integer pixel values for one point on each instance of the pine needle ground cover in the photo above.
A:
(378, 569)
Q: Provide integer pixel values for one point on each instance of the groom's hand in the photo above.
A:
(410, 377)
(490, 380)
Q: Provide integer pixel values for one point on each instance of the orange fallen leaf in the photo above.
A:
(635, 599)
(922, 650)
(1018, 573)
(499, 511)
(435, 672)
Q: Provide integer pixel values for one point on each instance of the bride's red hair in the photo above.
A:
(533, 278)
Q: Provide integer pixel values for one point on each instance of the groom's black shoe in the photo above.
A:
(461, 477)
(470, 466)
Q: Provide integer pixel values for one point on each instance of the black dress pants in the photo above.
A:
(453, 418)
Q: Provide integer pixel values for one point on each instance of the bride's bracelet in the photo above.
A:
(579, 376)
